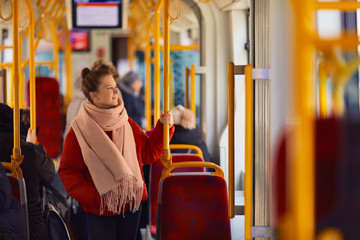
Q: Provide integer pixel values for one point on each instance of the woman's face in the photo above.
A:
(107, 93)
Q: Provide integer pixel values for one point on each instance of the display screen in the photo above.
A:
(80, 40)
(97, 13)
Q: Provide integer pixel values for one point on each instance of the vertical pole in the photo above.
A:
(56, 49)
(32, 68)
(322, 90)
(4, 85)
(301, 151)
(166, 150)
(157, 61)
(186, 102)
(231, 116)
(193, 100)
(148, 84)
(248, 150)
(68, 65)
(16, 154)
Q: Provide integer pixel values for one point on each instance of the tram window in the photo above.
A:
(97, 13)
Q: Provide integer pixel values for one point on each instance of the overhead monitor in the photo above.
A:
(97, 13)
(80, 40)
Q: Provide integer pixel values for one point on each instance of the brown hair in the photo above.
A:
(106, 65)
(90, 82)
(25, 116)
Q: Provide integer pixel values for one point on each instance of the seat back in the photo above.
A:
(193, 206)
(48, 114)
(19, 192)
(155, 175)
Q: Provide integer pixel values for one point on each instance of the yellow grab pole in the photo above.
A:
(21, 78)
(148, 85)
(157, 60)
(32, 68)
(56, 49)
(301, 223)
(11, 70)
(4, 85)
(192, 101)
(186, 101)
(231, 116)
(16, 157)
(166, 158)
(322, 90)
(68, 65)
(248, 150)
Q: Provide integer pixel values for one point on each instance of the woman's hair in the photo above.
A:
(25, 116)
(91, 80)
(106, 65)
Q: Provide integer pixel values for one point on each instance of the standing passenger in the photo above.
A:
(130, 87)
(38, 169)
(101, 163)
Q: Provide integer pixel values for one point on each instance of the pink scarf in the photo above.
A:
(113, 165)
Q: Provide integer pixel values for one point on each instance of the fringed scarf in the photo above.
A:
(113, 165)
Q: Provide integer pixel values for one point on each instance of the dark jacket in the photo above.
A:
(38, 171)
(133, 104)
(192, 137)
(11, 222)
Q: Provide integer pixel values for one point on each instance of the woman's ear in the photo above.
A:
(93, 95)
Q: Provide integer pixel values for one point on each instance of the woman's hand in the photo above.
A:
(30, 137)
(167, 118)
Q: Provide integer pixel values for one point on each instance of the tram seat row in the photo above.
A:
(48, 114)
(19, 192)
(55, 227)
(156, 169)
(191, 203)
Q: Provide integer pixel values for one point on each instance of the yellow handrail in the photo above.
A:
(231, 139)
(68, 65)
(148, 84)
(166, 157)
(15, 169)
(192, 83)
(188, 146)
(301, 148)
(55, 49)
(32, 68)
(186, 102)
(157, 60)
(248, 150)
(167, 171)
(4, 85)
(16, 157)
(6, 47)
(322, 90)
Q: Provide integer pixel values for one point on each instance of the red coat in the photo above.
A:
(76, 176)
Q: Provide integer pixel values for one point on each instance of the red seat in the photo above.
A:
(193, 206)
(156, 169)
(19, 192)
(48, 114)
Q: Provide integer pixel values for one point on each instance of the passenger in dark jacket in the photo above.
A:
(38, 169)
(11, 223)
(130, 87)
(185, 131)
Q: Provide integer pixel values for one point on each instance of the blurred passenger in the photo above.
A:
(101, 163)
(185, 131)
(38, 169)
(131, 89)
(79, 97)
(11, 222)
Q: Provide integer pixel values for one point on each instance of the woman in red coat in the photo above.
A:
(101, 163)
